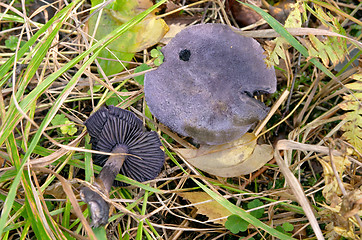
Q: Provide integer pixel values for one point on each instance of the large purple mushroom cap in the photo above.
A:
(205, 87)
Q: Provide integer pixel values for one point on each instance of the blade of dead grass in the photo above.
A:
(42, 210)
(273, 109)
(272, 33)
(293, 181)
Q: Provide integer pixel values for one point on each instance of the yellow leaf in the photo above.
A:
(347, 233)
(331, 189)
(141, 36)
(276, 48)
(357, 86)
(353, 97)
(322, 14)
(212, 209)
(173, 30)
(151, 32)
(294, 20)
(352, 203)
(232, 159)
(357, 76)
(320, 47)
(242, 147)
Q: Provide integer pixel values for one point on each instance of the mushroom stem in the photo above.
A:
(99, 208)
(111, 168)
(119, 131)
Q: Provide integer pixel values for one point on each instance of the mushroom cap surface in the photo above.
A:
(205, 85)
(110, 127)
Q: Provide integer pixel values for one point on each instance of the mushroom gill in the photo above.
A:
(137, 154)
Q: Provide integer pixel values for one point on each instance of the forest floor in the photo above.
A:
(54, 74)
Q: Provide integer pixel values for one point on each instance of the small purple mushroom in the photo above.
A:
(140, 157)
(205, 87)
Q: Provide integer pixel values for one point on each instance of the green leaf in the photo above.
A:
(288, 227)
(141, 68)
(280, 229)
(112, 62)
(283, 230)
(145, 34)
(254, 204)
(59, 119)
(167, 138)
(72, 131)
(236, 224)
(115, 100)
(96, 88)
(11, 43)
(156, 52)
(100, 233)
(69, 128)
(158, 61)
(64, 129)
(157, 55)
(112, 101)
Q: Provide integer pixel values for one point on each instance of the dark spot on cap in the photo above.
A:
(184, 55)
(210, 100)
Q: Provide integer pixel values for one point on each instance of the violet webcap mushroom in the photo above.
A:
(206, 86)
(137, 154)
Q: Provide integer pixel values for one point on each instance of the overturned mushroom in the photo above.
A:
(205, 87)
(137, 154)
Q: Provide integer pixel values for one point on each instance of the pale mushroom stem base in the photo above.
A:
(99, 208)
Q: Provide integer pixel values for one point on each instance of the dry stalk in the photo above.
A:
(293, 182)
